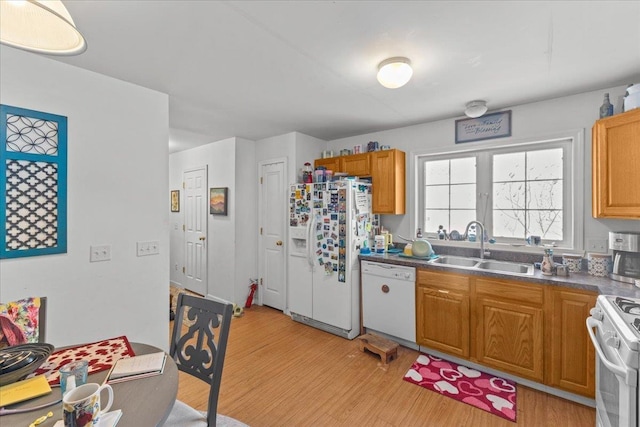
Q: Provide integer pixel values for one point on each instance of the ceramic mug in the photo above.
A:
(599, 264)
(573, 262)
(81, 406)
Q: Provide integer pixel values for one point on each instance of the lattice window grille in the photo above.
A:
(32, 182)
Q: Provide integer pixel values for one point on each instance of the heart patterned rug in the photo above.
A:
(487, 392)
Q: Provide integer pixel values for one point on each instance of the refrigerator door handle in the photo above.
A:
(309, 228)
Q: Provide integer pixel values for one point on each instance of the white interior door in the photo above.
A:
(195, 230)
(273, 216)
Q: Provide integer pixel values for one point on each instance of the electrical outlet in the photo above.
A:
(148, 248)
(597, 245)
(100, 253)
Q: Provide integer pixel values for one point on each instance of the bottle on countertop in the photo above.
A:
(419, 233)
(547, 263)
(442, 233)
(606, 109)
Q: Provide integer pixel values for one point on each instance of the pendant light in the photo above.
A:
(41, 26)
(475, 108)
(394, 72)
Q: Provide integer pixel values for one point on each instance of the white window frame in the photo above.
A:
(573, 184)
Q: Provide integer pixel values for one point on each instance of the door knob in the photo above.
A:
(279, 243)
(202, 238)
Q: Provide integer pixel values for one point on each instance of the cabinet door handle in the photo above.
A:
(442, 291)
(279, 243)
(385, 289)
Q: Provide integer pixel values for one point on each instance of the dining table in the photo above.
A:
(143, 401)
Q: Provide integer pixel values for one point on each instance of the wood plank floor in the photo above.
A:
(279, 372)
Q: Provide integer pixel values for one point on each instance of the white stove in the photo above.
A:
(614, 328)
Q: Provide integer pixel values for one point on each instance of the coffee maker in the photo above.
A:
(626, 255)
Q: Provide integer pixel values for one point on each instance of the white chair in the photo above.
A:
(199, 353)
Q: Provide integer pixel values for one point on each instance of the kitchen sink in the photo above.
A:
(506, 267)
(484, 265)
(456, 261)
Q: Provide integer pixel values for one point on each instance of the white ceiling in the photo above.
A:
(256, 69)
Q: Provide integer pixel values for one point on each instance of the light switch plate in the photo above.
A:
(597, 245)
(100, 253)
(151, 247)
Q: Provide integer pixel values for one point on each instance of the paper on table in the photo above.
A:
(108, 419)
(137, 366)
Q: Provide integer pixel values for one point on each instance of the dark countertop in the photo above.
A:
(582, 280)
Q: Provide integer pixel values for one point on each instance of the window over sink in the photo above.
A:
(516, 190)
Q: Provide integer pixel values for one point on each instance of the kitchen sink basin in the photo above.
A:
(505, 267)
(456, 261)
(484, 265)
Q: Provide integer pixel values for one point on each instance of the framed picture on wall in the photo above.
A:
(218, 201)
(175, 200)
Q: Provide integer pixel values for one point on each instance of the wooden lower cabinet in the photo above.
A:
(509, 328)
(572, 356)
(532, 331)
(442, 312)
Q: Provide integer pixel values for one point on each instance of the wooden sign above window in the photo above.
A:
(489, 126)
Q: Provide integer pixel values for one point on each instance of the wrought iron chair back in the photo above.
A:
(199, 346)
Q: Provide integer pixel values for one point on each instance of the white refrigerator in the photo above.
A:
(328, 224)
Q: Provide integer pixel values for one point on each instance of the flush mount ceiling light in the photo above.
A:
(41, 26)
(476, 108)
(394, 72)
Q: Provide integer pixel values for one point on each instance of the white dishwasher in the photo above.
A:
(388, 299)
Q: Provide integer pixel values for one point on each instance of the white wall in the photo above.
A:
(231, 239)
(117, 195)
(529, 121)
(296, 147)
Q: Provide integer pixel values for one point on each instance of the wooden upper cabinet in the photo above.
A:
(616, 174)
(386, 169)
(331, 163)
(356, 164)
(388, 181)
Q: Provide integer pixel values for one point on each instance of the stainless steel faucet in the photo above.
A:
(478, 236)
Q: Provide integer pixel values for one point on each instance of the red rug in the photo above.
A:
(487, 392)
(101, 355)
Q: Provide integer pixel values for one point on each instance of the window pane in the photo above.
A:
(545, 195)
(544, 164)
(434, 219)
(463, 196)
(508, 167)
(460, 219)
(463, 171)
(547, 224)
(510, 195)
(509, 223)
(437, 196)
(436, 172)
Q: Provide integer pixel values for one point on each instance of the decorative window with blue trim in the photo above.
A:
(33, 183)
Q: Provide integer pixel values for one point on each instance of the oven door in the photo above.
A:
(616, 383)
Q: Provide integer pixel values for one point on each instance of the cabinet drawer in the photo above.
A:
(505, 289)
(448, 281)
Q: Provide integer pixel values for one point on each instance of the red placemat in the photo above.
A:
(101, 356)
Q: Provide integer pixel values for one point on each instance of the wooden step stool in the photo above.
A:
(386, 349)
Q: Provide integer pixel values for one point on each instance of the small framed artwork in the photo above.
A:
(490, 126)
(175, 200)
(218, 201)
